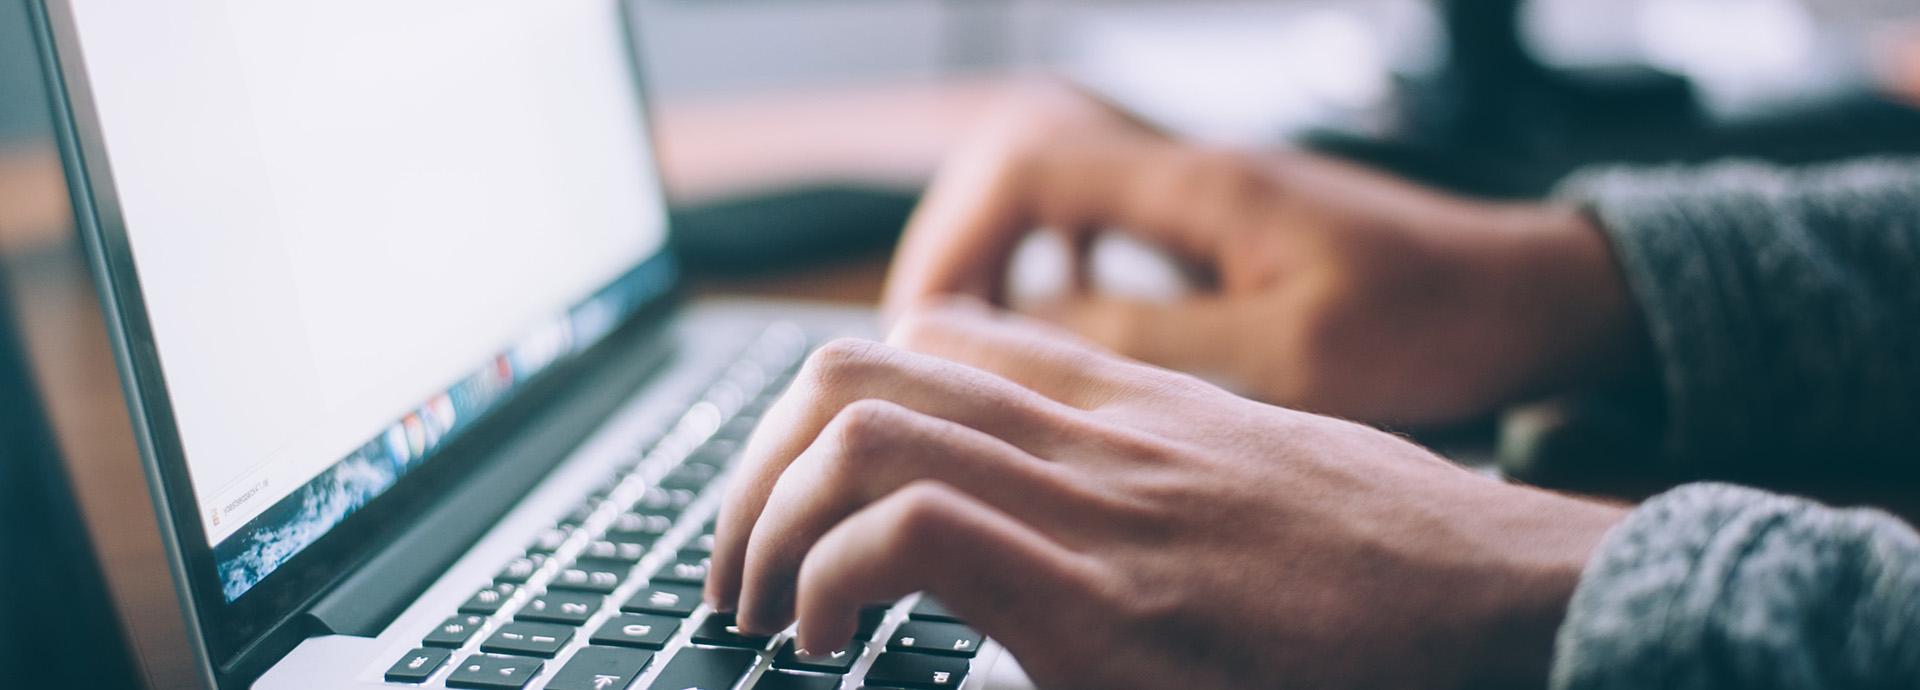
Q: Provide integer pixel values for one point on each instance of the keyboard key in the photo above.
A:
(705, 669)
(612, 480)
(637, 630)
(487, 602)
(701, 544)
(928, 637)
(687, 568)
(794, 681)
(519, 570)
(930, 609)
(624, 552)
(720, 450)
(638, 528)
(718, 630)
(455, 631)
(494, 672)
(837, 661)
(580, 514)
(417, 665)
(871, 618)
(666, 600)
(571, 608)
(550, 540)
(534, 639)
(600, 668)
(664, 502)
(591, 575)
(691, 477)
(919, 671)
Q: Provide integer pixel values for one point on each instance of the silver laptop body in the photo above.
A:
(417, 400)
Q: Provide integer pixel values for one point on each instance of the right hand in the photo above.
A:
(1119, 526)
(1333, 288)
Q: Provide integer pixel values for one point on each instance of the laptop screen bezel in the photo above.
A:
(224, 630)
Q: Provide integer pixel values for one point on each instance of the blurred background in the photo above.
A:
(796, 134)
(823, 116)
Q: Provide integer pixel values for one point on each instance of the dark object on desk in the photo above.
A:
(57, 627)
(791, 227)
(1495, 121)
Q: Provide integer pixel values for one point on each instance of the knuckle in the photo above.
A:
(919, 513)
(1225, 180)
(866, 429)
(841, 360)
(1151, 605)
(1223, 170)
(920, 327)
(1032, 115)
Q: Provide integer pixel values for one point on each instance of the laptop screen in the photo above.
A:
(358, 225)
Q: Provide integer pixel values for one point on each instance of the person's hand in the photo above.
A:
(1116, 525)
(1331, 288)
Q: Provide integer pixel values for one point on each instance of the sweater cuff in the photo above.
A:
(1670, 237)
(1717, 586)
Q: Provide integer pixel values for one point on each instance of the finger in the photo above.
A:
(1039, 356)
(872, 449)
(999, 574)
(960, 239)
(1200, 335)
(840, 373)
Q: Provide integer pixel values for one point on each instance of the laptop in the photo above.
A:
(419, 402)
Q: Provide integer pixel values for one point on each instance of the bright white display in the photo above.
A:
(338, 209)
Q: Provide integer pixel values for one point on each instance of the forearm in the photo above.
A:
(1781, 306)
(1714, 586)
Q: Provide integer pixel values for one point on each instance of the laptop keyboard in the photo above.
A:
(612, 590)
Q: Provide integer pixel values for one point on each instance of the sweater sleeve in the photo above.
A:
(1713, 586)
(1783, 305)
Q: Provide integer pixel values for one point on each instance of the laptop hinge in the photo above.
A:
(376, 592)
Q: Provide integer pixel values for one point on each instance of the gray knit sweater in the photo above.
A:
(1784, 308)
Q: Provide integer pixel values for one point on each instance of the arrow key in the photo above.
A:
(600, 668)
(493, 672)
(838, 661)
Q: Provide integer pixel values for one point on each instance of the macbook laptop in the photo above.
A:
(418, 401)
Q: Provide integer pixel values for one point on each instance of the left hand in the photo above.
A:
(1327, 286)
(1115, 525)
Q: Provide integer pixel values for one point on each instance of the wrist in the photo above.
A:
(1545, 544)
(1575, 311)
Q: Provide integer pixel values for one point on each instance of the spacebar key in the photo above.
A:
(705, 669)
